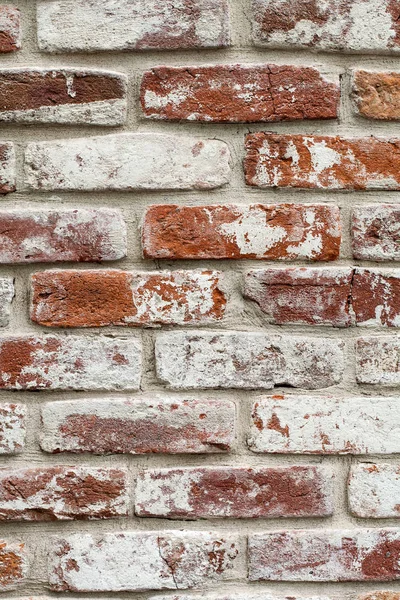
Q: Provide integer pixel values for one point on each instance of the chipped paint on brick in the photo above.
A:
(12, 428)
(145, 425)
(376, 232)
(374, 490)
(238, 93)
(99, 298)
(10, 29)
(140, 561)
(127, 161)
(322, 162)
(7, 168)
(276, 232)
(323, 425)
(247, 360)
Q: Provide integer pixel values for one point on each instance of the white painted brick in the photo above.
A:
(82, 25)
(374, 490)
(321, 425)
(6, 297)
(140, 561)
(12, 428)
(247, 360)
(377, 360)
(129, 161)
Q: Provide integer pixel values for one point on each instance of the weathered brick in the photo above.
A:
(12, 428)
(10, 29)
(13, 564)
(238, 93)
(140, 561)
(7, 167)
(374, 490)
(375, 232)
(76, 235)
(376, 297)
(78, 25)
(62, 493)
(316, 425)
(376, 95)
(6, 297)
(247, 360)
(362, 26)
(273, 231)
(377, 360)
(99, 298)
(333, 555)
(146, 425)
(302, 295)
(322, 162)
(380, 596)
(69, 363)
(127, 161)
(298, 491)
(67, 96)
(257, 596)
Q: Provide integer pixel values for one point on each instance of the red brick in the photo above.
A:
(7, 168)
(238, 93)
(62, 493)
(375, 231)
(321, 555)
(362, 26)
(322, 162)
(299, 491)
(377, 95)
(380, 596)
(76, 235)
(276, 232)
(67, 96)
(13, 565)
(376, 297)
(69, 363)
(99, 298)
(10, 29)
(302, 295)
(146, 425)
(12, 428)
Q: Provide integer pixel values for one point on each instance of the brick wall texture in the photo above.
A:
(200, 299)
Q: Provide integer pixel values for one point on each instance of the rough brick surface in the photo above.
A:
(201, 493)
(60, 493)
(68, 234)
(78, 25)
(247, 360)
(238, 93)
(276, 232)
(321, 425)
(10, 29)
(6, 297)
(377, 95)
(140, 561)
(377, 360)
(147, 425)
(12, 428)
(141, 161)
(250, 595)
(374, 490)
(380, 596)
(69, 363)
(67, 96)
(362, 26)
(7, 168)
(98, 298)
(308, 296)
(13, 564)
(376, 297)
(375, 232)
(322, 162)
(332, 555)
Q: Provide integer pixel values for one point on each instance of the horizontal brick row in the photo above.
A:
(195, 360)
(232, 231)
(89, 563)
(257, 93)
(337, 296)
(150, 161)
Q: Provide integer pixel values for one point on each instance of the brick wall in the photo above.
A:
(200, 299)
